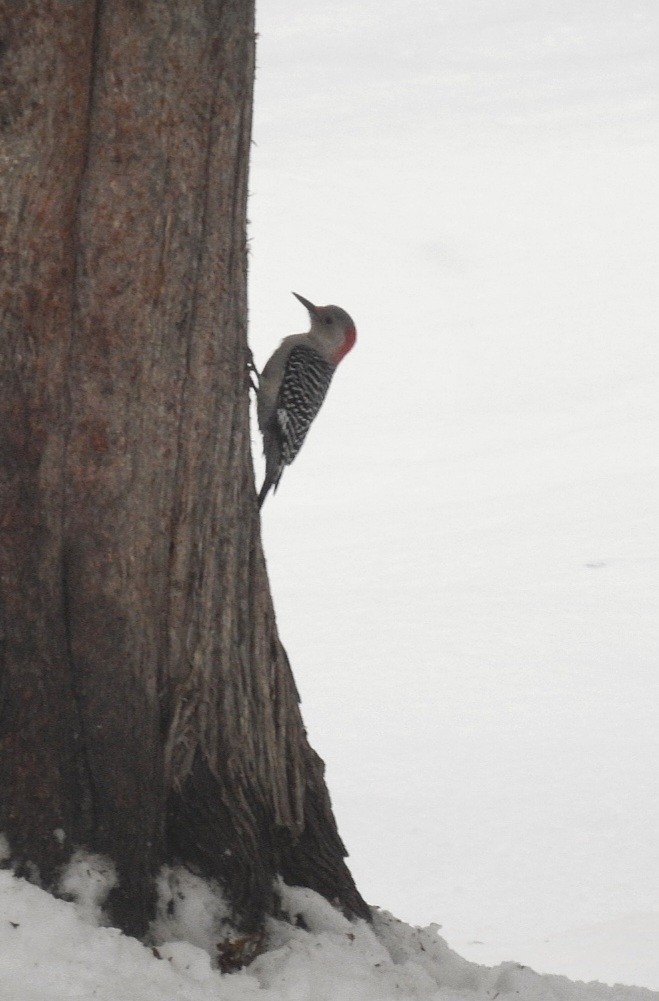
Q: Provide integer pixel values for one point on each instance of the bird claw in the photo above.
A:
(252, 371)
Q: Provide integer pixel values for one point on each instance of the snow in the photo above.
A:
(190, 909)
(87, 880)
(470, 599)
(50, 952)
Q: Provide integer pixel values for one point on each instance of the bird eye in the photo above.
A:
(327, 319)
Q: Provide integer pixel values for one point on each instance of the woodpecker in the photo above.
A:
(293, 385)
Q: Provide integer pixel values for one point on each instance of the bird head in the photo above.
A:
(332, 330)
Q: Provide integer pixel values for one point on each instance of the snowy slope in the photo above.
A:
(48, 952)
(465, 556)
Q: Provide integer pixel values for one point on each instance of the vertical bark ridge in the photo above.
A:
(88, 815)
(44, 67)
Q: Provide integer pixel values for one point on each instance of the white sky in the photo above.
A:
(465, 556)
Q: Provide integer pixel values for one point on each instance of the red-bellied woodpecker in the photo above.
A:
(293, 384)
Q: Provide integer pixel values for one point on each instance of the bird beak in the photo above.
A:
(309, 305)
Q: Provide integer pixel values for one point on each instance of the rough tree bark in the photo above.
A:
(147, 708)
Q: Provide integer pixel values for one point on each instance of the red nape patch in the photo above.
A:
(348, 343)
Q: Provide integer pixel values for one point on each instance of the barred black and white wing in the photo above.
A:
(303, 388)
(306, 380)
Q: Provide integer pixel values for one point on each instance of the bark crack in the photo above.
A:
(183, 413)
(82, 751)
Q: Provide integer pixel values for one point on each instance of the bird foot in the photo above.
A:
(252, 371)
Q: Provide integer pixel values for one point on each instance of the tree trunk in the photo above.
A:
(147, 708)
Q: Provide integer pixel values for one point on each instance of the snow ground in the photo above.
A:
(49, 951)
(470, 602)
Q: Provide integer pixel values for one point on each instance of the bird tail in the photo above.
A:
(264, 490)
(274, 467)
(271, 480)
